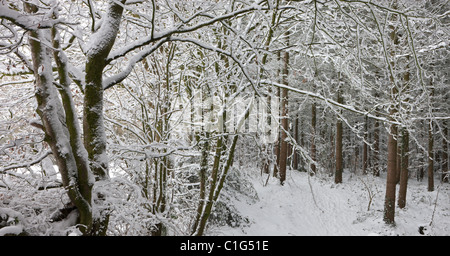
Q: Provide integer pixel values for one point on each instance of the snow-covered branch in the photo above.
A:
(115, 79)
(182, 28)
(5, 170)
(28, 21)
(324, 99)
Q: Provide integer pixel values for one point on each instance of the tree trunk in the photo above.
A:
(215, 189)
(283, 143)
(391, 180)
(206, 211)
(296, 137)
(445, 172)
(389, 204)
(376, 149)
(284, 121)
(420, 172)
(313, 138)
(365, 147)
(399, 161)
(204, 147)
(404, 151)
(430, 157)
(79, 152)
(269, 147)
(339, 153)
(93, 124)
(277, 143)
(61, 128)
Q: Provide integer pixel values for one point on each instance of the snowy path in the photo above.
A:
(293, 211)
(340, 210)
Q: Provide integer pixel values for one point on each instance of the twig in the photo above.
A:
(25, 165)
(435, 204)
(371, 195)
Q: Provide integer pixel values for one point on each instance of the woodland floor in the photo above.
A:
(315, 206)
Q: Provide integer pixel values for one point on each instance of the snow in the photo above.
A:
(11, 230)
(67, 225)
(304, 205)
(315, 206)
(13, 221)
(104, 36)
(22, 20)
(110, 81)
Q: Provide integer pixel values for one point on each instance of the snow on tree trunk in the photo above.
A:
(95, 142)
(53, 116)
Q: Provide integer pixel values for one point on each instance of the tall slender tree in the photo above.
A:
(445, 170)
(284, 117)
(430, 157)
(391, 179)
(404, 159)
(339, 145)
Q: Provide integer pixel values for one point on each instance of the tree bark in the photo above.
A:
(389, 204)
(58, 125)
(204, 146)
(277, 147)
(430, 157)
(313, 138)
(215, 189)
(365, 147)
(93, 123)
(297, 140)
(399, 161)
(445, 172)
(391, 180)
(284, 121)
(339, 153)
(404, 151)
(376, 149)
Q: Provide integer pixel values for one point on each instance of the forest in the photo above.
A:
(224, 117)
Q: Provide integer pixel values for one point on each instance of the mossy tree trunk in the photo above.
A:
(93, 123)
(60, 122)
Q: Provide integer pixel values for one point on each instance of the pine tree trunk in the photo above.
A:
(391, 180)
(284, 121)
(339, 153)
(445, 172)
(404, 154)
(389, 204)
(276, 147)
(365, 147)
(420, 172)
(313, 138)
(399, 161)
(430, 157)
(296, 137)
(376, 149)
(404, 168)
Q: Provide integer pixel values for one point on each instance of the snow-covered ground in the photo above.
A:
(316, 206)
